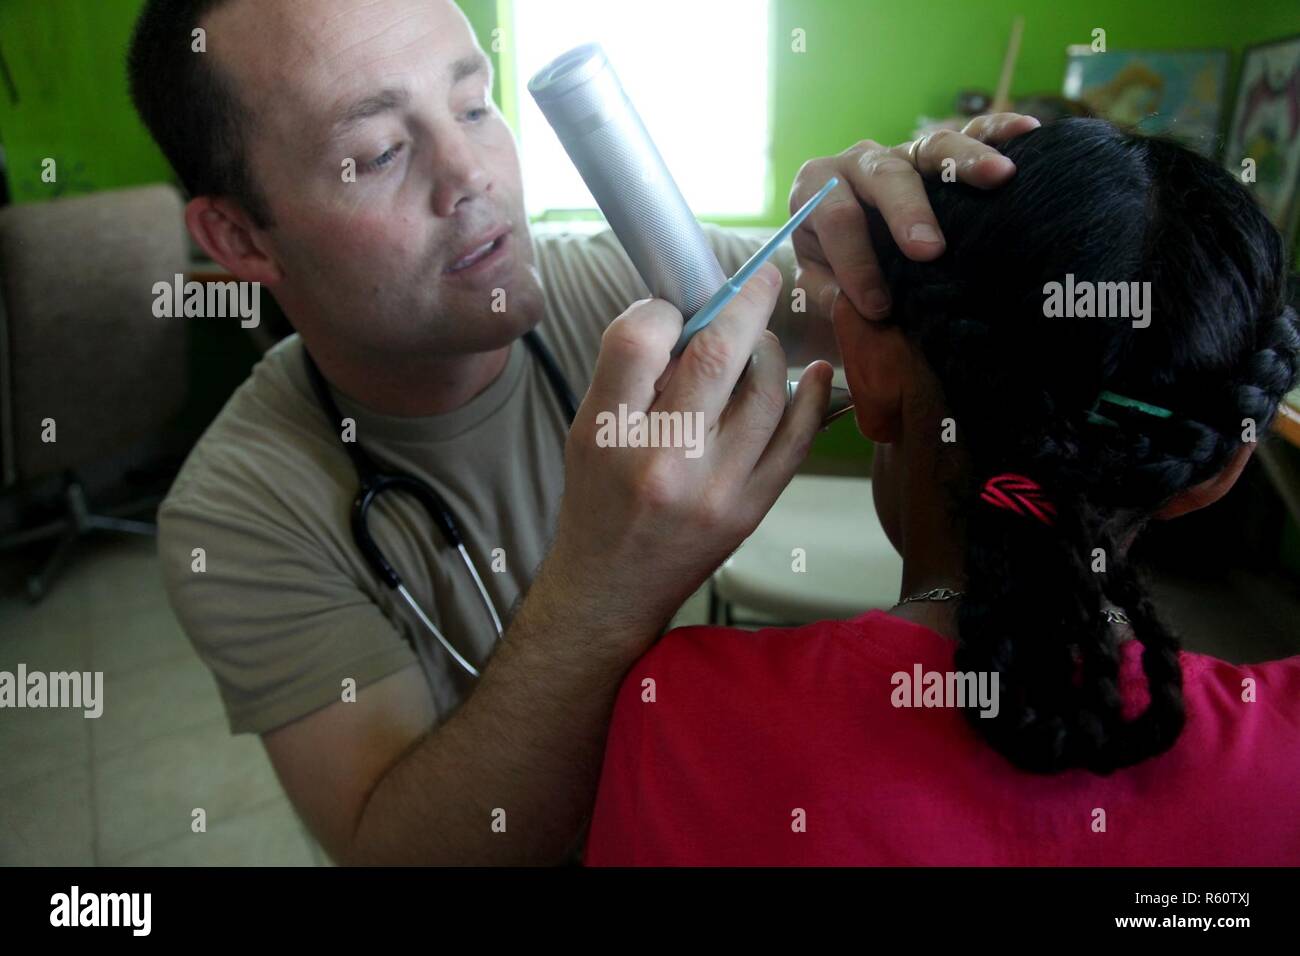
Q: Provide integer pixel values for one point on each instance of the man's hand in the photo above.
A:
(641, 528)
(832, 246)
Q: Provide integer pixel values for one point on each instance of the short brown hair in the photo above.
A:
(190, 107)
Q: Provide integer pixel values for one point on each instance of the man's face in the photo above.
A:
(403, 90)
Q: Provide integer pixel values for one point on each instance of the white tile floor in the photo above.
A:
(121, 789)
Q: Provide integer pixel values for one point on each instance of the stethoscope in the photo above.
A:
(375, 481)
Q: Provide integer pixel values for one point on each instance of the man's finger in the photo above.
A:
(997, 128)
(838, 227)
(752, 415)
(634, 352)
(662, 381)
(793, 437)
(902, 199)
(887, 180)
(711, 362)
(968, 159)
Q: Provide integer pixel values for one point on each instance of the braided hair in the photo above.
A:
(1104, 205)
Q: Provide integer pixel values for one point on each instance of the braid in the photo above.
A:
(1057, 665)
(1271, 371)
(1021, 388)
(1157, 728)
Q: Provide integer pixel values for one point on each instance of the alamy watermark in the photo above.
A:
(75, 908)
(1099, 300)
(636, 429)
(922, 688)
(56, 689)
(211, 300)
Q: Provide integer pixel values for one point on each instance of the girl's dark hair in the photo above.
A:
(1220, 351)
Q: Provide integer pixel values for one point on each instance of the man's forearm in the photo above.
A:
(511, 776)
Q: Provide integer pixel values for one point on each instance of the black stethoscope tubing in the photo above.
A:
(375, 481)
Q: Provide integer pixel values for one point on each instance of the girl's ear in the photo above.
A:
(1210, 490)
(878, 363)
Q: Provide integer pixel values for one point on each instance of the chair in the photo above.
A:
(79, 344)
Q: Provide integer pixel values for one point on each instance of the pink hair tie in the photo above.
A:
(1019, 494)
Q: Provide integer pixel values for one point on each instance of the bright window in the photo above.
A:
(696, 71)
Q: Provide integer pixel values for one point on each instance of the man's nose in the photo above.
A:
(459, 174)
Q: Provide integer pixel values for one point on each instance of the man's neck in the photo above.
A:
(411, 386)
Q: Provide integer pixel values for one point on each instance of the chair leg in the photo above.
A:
(38, 584)
(121, 525)
(79, 523)
(719, 609)
(79, 509)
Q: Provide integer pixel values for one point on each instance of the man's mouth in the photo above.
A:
(480, 251)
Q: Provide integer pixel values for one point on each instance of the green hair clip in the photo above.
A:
(1124, 401)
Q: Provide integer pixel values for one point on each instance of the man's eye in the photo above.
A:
(477, 113)
(383, 159)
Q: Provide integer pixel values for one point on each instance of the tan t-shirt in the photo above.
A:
(284, 607)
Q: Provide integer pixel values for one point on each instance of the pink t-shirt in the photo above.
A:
(785, 747)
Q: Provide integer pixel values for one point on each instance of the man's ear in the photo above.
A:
(225, 232)
(878, 365)
(1210, 490)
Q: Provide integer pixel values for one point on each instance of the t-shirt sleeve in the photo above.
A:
(277, 622)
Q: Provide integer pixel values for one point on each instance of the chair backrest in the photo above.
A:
(79, 342)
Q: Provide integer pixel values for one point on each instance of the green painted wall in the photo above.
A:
(873, 66)
(66, 60)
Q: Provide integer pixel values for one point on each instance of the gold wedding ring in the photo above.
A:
(912, 151)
